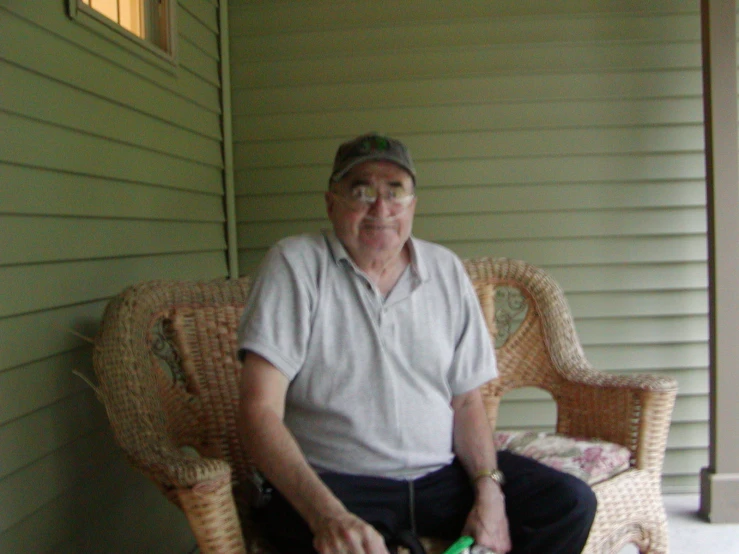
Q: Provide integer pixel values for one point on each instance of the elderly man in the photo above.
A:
(363, 350)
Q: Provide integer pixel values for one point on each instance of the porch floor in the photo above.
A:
(690, 533)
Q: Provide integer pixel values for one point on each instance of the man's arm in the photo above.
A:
(278, 456)
(473, 445)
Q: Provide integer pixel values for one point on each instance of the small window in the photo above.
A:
(149, 20)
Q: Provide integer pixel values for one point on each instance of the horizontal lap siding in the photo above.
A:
(567, 134)
(111, 172)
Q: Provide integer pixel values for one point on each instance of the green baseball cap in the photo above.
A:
(371, 146)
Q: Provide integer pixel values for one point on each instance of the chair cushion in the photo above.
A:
(591, 460)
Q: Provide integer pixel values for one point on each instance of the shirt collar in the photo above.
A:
(418, 266)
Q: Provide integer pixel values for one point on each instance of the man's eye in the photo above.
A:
(364, 192)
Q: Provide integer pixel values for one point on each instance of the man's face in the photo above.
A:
(378, 228)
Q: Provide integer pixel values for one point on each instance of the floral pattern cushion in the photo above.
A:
(591, 460)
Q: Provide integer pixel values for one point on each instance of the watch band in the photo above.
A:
(495, 474)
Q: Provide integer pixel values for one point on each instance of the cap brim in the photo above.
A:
(339, 175)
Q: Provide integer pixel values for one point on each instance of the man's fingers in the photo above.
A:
(489, 530)
(348, 535)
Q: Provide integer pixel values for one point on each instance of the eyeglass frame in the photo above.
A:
(359, 204)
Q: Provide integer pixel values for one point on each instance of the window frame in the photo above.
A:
(81, 13)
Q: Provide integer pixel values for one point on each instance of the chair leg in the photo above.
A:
(652, 539)
(211, 512)
(656, 540)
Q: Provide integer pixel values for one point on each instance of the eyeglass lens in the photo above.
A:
(368, 195)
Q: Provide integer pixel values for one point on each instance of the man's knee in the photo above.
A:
(581, 499)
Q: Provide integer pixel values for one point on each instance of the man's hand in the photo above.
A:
(487, 522)
(473, 444)
(347, 534)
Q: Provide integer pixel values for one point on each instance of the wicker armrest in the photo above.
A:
(632, 410)
(147, 410)
(170, 467)
(202, 488)
(138, 423)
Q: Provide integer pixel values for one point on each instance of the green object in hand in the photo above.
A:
(460, 545)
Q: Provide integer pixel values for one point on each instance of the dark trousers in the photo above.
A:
(549, 512)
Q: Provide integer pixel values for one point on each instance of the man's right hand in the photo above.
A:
(347, 534)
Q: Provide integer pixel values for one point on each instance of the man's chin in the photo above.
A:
(380, 243)
(378, 234)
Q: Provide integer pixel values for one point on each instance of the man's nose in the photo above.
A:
(380, 207)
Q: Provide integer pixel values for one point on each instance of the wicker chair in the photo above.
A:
(168, 376)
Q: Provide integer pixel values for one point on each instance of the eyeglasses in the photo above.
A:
(364, 196)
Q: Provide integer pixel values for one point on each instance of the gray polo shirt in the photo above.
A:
(371, 377)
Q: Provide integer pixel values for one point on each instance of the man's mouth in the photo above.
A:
(376, 226)
(379, 222)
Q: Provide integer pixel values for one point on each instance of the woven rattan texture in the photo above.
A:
(161, 417)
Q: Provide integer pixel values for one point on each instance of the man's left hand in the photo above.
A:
(487, 522)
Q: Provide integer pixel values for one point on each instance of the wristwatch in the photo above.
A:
(495, 474)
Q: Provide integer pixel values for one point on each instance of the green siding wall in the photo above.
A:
(568, 134)
(111, 172)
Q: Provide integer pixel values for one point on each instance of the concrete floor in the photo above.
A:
(690, 534)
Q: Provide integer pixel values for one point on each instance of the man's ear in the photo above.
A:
(329, 202)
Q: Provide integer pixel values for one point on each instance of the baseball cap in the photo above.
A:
(370, 146)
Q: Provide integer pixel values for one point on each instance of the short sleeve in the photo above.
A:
(276, 320)
(474, 358)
